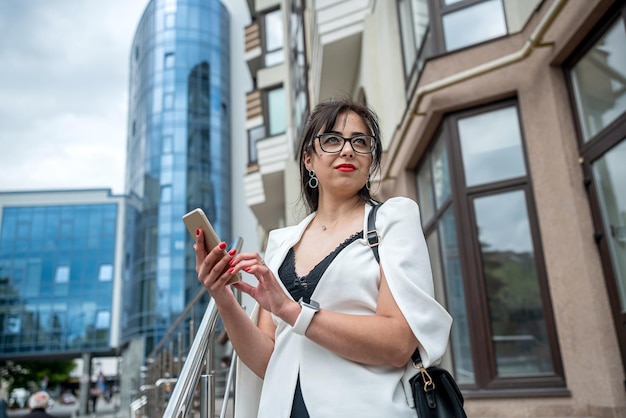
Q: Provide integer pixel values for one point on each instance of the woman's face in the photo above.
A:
(344, 172)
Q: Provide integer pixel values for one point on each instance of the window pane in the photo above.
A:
(103, 320)
(600, 82)
(455, 292)
(425, 193)
(274, 39)
(491, 146)
(441, 173)
(277, 111)
(254, 135)
(106, 273)
(62, 274)
(168, 61)
(609, 173)
(408, 36)
(516, 313)
(413, 18)
(474, 24)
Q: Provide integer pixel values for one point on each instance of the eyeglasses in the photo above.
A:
(332, 143)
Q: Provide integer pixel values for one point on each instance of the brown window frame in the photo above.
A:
(487, 383)
(596, 147)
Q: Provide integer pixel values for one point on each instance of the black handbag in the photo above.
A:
(435, 393)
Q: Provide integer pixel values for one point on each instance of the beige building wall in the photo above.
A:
(525, 66)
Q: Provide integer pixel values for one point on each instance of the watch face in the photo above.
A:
(312, 304)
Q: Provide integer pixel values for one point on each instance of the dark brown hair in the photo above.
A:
(323, 118)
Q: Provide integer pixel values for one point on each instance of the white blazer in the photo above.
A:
(331, 385)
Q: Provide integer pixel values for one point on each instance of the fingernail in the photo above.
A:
(222, 245)
(231, 270)
(231, 262)
(247, 269)
(232, 252)
(197, 231)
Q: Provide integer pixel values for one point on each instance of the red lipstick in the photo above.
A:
(346, 168)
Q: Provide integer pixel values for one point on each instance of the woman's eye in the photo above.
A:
(360, 140)
(331, 140)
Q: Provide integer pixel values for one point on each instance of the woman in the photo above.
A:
(351, 356)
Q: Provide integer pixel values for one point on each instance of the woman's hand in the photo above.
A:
(213, 269)
(267, 292)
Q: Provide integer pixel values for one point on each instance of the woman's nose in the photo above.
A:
(347, 148)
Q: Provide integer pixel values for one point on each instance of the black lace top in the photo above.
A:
(303, 287)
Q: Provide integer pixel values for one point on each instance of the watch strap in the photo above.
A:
(308, 310)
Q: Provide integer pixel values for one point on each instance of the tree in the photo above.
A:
(30, 374)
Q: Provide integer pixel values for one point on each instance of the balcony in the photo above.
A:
(336, 38)
(253, 49)
(264, 183)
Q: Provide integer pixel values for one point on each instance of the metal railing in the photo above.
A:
(187, 362)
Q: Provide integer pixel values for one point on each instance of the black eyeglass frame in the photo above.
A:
(349, 140)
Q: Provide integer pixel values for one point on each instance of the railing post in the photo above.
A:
(189, 376)
(207, 396)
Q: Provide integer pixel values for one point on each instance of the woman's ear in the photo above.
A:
(306, 160)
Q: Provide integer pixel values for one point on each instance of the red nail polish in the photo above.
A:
(232, 252)
(231, 270)
(222, 245)
(197, 231)
(247, 269)
(231, 262)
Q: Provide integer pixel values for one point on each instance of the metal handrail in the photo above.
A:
(137, 404)
(181, 396)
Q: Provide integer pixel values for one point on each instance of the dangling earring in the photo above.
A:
(368, 184)
(313, 181)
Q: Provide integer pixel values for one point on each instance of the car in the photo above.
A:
(67, 398)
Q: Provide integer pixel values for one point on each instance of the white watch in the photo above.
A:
(306, 316)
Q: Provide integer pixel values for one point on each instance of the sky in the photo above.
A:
(64, 67)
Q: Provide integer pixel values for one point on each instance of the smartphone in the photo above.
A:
(197, 219)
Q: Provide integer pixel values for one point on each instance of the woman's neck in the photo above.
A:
(331, 213)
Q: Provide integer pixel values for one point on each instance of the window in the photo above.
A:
(473, 183)
(298, 67)
(274, 38)
(414, 27)
(274, 109)
(105, 273)
(277, 111)
(597, 79)
(103, 320)
(62, 274)
(599, 82)
(170, 20)
(430, 27)
(473, 24)
(254, 135)
(168, 61)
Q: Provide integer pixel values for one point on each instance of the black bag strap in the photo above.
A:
(372, 232)
(373, 241)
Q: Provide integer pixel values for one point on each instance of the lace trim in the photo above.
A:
(304, 286)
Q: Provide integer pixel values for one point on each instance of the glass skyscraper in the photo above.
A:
(59, 273)
(178, 156)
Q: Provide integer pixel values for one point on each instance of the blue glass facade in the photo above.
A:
(56, 278)
(178, 155)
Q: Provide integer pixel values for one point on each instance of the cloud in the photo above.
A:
(64, 92)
